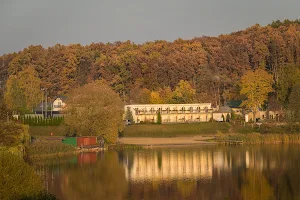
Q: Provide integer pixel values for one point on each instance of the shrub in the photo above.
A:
(158, 118)
(14, 134)
(19, 180)
(227, 117)
(39, 121)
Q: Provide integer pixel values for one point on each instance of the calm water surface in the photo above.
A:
(204, 172)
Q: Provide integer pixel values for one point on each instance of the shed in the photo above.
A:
(87, 141)
(70, 140)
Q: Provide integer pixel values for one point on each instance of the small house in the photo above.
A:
(235, 106)
(221, 114)
(59, 103)
(52, 108)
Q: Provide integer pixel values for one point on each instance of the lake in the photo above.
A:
(199, 172)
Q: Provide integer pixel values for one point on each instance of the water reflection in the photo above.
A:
(169, 165)
(92, 176)
(207, 172)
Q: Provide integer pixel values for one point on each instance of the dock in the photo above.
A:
(231, 142)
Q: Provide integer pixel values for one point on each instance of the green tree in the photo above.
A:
(14, 96)
(256, 85)
(288, 77)
(158, 118)
(128, 115)
(294, 103)
(95, 109)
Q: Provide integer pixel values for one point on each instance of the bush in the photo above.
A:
(14, 134)
(227, 117)
(19, 180)
(39, 121)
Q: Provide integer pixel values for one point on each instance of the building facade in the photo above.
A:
(51, 109)
(59, 103)
(171, 113)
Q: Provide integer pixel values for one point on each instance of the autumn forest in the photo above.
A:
(207, 69)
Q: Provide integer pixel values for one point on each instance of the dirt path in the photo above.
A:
(167, 141)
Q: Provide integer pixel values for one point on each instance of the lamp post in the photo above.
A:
(46, 107)
(43, 102)
(46, 103)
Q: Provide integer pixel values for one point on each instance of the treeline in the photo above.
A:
(211, 65)
(39, 121)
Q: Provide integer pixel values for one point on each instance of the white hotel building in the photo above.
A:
(171, 113)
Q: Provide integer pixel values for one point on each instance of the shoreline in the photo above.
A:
(171, 141)
(62, 154)
(219, 139)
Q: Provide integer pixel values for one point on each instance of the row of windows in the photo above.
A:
(177, 118)
(169, 109)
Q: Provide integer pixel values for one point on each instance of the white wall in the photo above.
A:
(58, 104)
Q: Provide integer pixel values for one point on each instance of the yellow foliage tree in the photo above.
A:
(23, 90)
(95, 109)
(30, 84)
(155, 98)
(184, 93)
(256, 85)
(166, 95)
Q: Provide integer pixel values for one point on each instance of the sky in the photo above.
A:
(48, 22)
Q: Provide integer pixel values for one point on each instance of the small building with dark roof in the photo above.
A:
(236, 107)
(222, 111)
(54, 108)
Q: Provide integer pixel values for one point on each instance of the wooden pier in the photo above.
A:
(231, 142)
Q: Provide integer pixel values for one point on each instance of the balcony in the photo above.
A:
(57, 106)
(166, 112)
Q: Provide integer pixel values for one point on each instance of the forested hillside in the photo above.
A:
(211, 65)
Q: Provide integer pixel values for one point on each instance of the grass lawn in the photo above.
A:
(173, 130)
(46, 130)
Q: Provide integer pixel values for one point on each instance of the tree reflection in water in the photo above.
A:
(206, 172)
(93, 179)
(255, 186)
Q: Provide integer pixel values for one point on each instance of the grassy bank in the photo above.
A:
(47, 130)
(258, 138)
(174, 130)
(42, 148)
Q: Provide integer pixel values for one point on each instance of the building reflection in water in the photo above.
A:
(212, 172)
(176, 165)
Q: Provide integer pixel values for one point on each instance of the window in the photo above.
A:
(152, 110)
